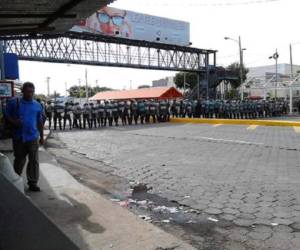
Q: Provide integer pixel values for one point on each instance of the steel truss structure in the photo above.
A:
(91, 49)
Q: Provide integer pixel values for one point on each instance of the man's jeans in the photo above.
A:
(21, 151)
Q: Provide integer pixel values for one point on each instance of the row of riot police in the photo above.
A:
(101, 114)
(229, 109)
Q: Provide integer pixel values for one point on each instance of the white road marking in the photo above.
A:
(252, 127)
(297, 129)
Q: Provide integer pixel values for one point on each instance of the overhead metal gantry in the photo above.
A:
(91, 49)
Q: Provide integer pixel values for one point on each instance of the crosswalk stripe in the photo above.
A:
(252, 127)
(297, 129)
(217, 125)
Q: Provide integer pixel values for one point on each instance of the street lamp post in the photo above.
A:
(275, 56)
(239, 42)
(79, 82)
(48, 86)
(86, 86)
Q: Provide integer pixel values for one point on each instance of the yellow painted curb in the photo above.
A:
(236, 122)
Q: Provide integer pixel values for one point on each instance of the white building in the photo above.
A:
(262, 80)
(284, 69)
(165, 82)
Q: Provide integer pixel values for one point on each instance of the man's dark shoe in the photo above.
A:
(34, 188)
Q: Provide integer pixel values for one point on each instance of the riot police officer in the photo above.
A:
(189, 109)
(58, 112)
(141, 111)
(147, 111)
(121, 109)
(153, 111)
(77, 116)
(109, 113)
(163, 111)
(115, 112)
(86, 115)
(94, 114)
(67, 115)
(101, 115)
(134, 111)
(49, 112)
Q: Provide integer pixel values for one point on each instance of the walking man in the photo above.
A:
(26, 118)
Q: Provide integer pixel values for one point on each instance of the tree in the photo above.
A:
(190, 78)
(234, 68)
(79, 91)
(42, 97)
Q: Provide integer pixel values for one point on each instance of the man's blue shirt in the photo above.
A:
(30, 113)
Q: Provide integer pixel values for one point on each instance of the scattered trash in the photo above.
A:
(274, 224)
(144, 202)
(165, 221)
(115, 200)
(132, 201)
(190, 221)
(187, 197)
(212, 219)
(163, 209)
(145, 218)
(124, 203)
(140, 188)
(132, 183)
(111, 245)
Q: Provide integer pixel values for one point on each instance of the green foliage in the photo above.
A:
(190, 78)
(79, 91)
(234, 68)
(232, 94)
(42, 97)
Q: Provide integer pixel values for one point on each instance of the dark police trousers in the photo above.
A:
(21, 151)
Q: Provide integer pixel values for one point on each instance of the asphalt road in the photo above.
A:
(247, 176)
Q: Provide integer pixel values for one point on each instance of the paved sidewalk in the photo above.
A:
(92, 221)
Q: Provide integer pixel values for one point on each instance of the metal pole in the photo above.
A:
(86, 86)
(2, 50)
(291, 100)
(48, 86)
(276, 77)
(184, 83)
(291, 61)
(66, 88)
(207, 76)
(79, 81)
(241, 68)
(198, 90)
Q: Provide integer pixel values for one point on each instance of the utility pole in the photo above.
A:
(276, 60)
(184, 80)
(86, 86)
(275, 56)
(241, 68)
(241, 49)
(48, 86)
(291, 61)
(66, 89)
(79, 82)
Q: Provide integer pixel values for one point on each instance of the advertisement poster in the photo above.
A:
(6, 89)
(132, 25)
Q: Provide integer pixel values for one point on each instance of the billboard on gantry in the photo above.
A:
(132, 25)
